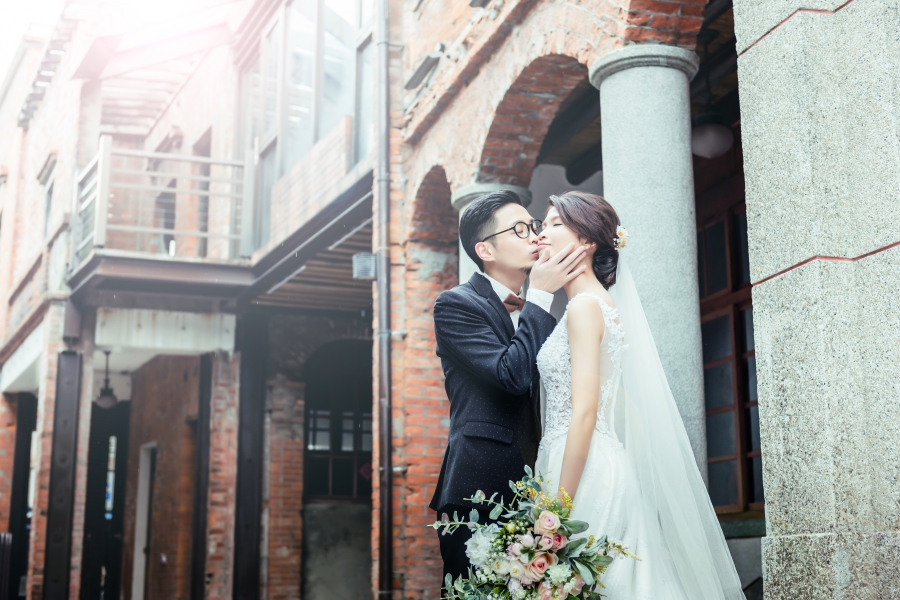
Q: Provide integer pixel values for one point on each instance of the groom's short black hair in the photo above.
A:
(478, 222)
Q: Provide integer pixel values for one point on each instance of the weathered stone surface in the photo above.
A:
(827, 335)
(858, 565)
(821, 146)
(755, 18)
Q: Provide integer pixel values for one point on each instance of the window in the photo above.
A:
(339, 461)
(314, 66)
(729, 363)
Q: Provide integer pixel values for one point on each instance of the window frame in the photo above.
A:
(731, 301)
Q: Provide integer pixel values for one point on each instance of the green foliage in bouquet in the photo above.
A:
(534, 554)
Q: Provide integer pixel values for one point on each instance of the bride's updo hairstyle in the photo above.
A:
(593, 219)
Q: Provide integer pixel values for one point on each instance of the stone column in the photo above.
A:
(648, 177)
(463, 198)
(822, 166)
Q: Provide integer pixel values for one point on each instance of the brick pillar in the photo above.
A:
(52, 344)
(223, 424)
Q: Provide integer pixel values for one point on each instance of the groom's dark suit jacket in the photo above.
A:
(492, 383)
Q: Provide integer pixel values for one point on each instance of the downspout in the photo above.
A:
(383, 183)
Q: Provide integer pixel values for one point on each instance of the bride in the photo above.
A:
(613, 439)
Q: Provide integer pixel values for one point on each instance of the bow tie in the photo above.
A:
(513, 303)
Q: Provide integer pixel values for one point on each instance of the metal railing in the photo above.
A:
(180, 206)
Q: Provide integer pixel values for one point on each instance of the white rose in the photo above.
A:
(516, 570)
(500, 567)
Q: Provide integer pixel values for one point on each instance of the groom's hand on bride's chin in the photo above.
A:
(553, 271)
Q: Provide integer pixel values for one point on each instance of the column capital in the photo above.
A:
(464, 196)
(644, 55)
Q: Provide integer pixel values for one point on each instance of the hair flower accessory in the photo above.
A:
(621, 237)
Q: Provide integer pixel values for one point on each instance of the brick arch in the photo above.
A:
(523, 117)
(431, 267)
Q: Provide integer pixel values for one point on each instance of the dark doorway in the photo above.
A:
(101, 571)
(338, 472)
(19, 505)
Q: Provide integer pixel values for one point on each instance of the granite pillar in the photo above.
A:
(818, 88)
(648, 178)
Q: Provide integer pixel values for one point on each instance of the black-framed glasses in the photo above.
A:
(522, 229)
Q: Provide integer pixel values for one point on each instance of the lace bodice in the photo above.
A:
(555, 366)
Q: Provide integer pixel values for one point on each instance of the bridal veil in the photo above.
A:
(657, 445)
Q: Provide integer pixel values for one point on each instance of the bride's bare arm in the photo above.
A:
(585, 327)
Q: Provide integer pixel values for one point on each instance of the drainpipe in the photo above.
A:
(383, 181)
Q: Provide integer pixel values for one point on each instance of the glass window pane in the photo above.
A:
(756, 468)
(347, 442)
(749, 342)
(719, 386)
(365, 121)
(701, 265)
(723, 483)
(750, 366)
(316, 476)
(250, 104)
(720, 435)
(342, 477)
(740, 225)
(716, 257)
(716, 338)
(338, 62)
(300, 77)
(268, 175)
(753, 421)
(270, 66)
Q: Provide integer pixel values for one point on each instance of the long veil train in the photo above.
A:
(658, 448)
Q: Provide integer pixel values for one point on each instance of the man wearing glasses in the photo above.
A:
(488, 338)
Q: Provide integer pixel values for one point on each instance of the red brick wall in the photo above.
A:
(222, 476)
(164, 393)
(53, 322)
(7, 454)
(292, 340)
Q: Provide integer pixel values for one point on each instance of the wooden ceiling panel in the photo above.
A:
(326, 280)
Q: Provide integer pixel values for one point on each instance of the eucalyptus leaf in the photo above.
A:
(576, 526)
(584, 571)
(473, 516)
(528, 471)
(495, 513)
(448, 580)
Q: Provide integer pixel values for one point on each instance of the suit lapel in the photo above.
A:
(484, 289)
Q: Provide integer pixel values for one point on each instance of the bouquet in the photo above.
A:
(534, 554)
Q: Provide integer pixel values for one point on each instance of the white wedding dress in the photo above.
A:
(653, 504)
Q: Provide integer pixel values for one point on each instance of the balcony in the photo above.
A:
(149, 222)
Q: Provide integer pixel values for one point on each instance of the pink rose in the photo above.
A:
(527, 540)
(546, 590)
(559, 541)
(539, 564)
(547, 522)
(513, 585)
(546, 542)
(515, 549)
(579, 583)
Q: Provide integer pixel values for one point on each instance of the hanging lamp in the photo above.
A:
(710, 137)
(107, 398)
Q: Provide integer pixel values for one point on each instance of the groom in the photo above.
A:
(488, 338)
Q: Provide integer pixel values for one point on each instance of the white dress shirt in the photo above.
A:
(543, 299)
